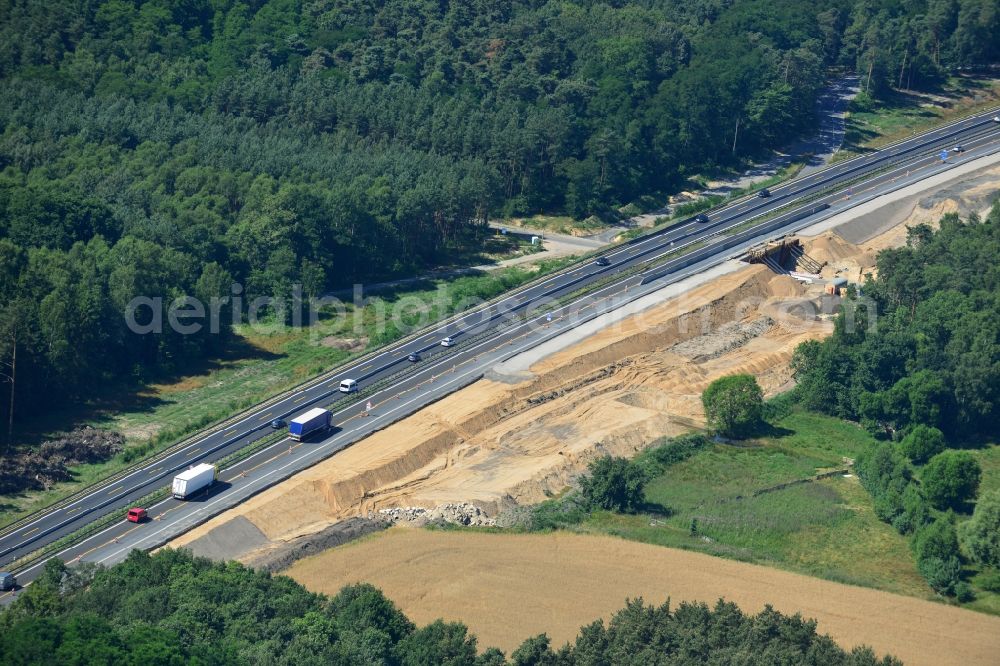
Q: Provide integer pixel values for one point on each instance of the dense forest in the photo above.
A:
(926, 380)
(167, 148)
(173, 609)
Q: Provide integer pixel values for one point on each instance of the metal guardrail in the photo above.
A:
(115, 515)
(764, 227)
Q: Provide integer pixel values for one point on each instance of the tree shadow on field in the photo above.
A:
(771, 431)
(748, 440)
(656, 510)
(139, 396)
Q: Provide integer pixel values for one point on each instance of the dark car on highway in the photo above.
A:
(602, 261)
(413, 358)
(764, 193)
(701, 217)
(278, 424)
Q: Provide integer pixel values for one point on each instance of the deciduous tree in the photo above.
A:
(734, 405)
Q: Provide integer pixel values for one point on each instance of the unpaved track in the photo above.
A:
(508, 587)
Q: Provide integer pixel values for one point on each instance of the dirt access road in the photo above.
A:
(508, 587)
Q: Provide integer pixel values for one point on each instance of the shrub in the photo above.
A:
(922, 443)
(981, 534)
(613, 484)
(696, 206)
(989, 581)
(938, 539)
(863, 102)
(936, 548)
(658, 458)
(780, 405)
(942, 575)
(555, 513)
(631, 210)
(916, 511)
(963, 592)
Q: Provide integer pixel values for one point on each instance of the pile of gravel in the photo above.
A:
(456, 514)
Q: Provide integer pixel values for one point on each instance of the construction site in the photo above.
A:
(528, 429)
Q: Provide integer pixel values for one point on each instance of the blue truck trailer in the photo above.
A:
(315, 420)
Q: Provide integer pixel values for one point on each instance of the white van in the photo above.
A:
(447, 342)
(348, 386)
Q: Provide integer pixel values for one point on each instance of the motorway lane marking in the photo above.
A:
(113, 540)
(230, 431)
(158, 469)
(265, 416)
(29, 532)
(243, 474)
(90, 538)
(300, 398)
(143, 469)
(191, 453)
(709, 239)
(72, 511)
(402, 405)
(116, 490)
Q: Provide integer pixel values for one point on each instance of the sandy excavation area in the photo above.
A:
(508, 587)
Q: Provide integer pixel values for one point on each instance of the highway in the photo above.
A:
(482, 337)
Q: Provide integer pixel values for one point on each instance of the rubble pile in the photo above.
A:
(49, 463)
(458, 514)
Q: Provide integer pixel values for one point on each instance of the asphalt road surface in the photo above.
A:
(482, 337)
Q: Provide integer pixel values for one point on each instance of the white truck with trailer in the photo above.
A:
(190, 481)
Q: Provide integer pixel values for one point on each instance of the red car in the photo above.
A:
(136, 515)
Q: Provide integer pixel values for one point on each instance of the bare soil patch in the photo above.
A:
(353, 345)
(507, 587)
(500, 444)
